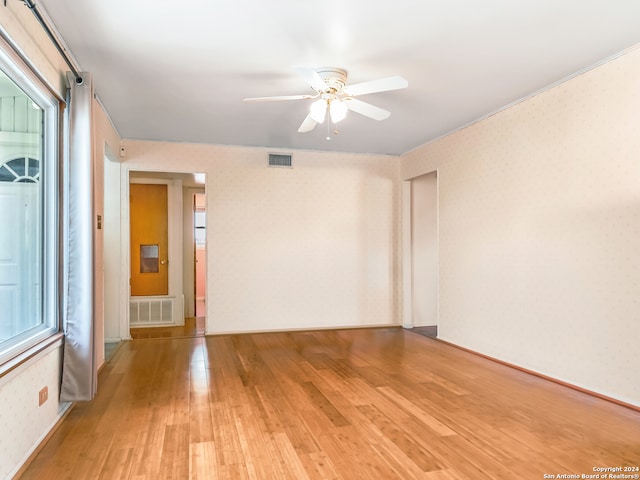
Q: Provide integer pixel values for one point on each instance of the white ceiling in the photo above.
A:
(178, 71)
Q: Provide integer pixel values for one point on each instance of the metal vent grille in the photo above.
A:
(280, 160)
(150, 311)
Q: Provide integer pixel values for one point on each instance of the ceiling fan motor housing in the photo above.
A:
(335, 78)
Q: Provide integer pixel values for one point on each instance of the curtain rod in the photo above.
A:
(32, 6)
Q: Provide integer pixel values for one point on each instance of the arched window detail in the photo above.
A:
(20, 170)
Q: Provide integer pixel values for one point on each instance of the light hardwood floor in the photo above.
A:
(379, 403)
(193, 327)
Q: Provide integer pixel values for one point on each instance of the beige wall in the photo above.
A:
(106, 144)
(309, 247)
(19, 24)
(114, 288)
(23, 425)
(539, 211)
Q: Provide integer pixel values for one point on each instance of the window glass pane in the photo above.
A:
(149, 258)
(199, 219)
(21, 213)
(18, 166)
(34, 167)
(200, 227)
(6, 175)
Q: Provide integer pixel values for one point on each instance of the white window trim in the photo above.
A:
(24, 76)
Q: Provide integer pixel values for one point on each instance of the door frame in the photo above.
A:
(407, 248)
(189, 249)
(194, 210)
(172, 179)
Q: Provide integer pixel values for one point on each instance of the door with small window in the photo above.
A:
(20, 254)
(149, 239)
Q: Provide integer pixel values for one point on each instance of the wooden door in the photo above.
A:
(149, 239)
(19, 257)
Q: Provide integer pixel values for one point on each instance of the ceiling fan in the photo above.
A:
(335, 97)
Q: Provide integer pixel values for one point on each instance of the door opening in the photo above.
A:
(424, 254)
(170, 314)
(200, 254)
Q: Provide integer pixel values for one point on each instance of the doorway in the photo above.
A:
(200, 255)
(170, 312)
(421, 254)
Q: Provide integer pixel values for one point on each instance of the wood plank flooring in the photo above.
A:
(193, 327)
(348, 404)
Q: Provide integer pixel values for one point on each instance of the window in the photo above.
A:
(28, 208)
(20, 170)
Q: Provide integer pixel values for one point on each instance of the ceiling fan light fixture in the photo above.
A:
(318, 110)
(337, 110)
(333, 95)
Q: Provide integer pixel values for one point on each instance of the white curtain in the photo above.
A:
(79, 373)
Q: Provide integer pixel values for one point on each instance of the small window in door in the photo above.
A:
(149, 255)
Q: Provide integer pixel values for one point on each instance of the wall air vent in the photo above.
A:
(280, 160)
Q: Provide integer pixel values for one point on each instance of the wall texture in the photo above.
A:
(106, 141)
(540, 231)
(309, 247)
(23, 424)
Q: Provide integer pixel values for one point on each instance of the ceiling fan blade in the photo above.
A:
(307, 125)
(312, 77)
(277, 99)
(366, 109)
(375, 86)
